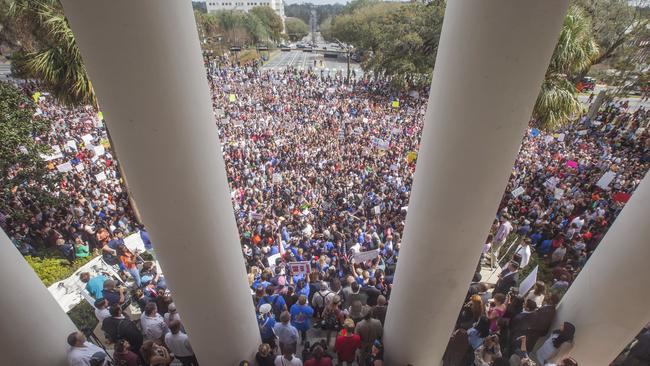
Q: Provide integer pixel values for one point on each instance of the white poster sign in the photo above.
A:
(551, 183)
(528, 282)
(79, 167)
(299, 267)
(277, 178)
(560, 137)
(272, 258)
(605, 180)
(87, 138)
(548, 139)
(64, 168)
(380, 143)
(100, 177)
(518, 191)
(583, 132)
(71, 144)
(99, 150)
(365, 256)
(559, 193)
(376, 210)
(51, 157)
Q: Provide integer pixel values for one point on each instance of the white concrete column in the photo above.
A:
(490, 64)
(145, 63)
(35, 328)
(608, 302)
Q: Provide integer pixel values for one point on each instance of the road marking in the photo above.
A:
(293, 59)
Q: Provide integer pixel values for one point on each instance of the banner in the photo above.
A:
(528, 282)
(380, 143)
(365, 256)
(299, 267)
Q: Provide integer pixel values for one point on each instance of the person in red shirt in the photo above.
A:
(347, 344)
(319, 358)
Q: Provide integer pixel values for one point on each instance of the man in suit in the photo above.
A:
(541, 323)
(520, 323)
(507, 278)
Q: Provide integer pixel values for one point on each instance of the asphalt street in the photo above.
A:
(301, 60)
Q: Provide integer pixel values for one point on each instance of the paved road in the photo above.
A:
(304, 60)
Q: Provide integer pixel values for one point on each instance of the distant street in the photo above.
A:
(299, 59)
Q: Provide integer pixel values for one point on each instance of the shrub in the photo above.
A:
(83, 316)
(52, 269)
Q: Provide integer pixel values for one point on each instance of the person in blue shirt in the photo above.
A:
(266, 323)
(94, 285)
(278, 305)
(301, 315)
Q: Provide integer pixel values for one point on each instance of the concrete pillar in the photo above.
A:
(490, 64)
(608, 302)
(35, 328)
(145, 63)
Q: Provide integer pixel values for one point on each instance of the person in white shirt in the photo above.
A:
(153, 325)
(500, 238)
(82, 352)
(523, 251)
(287, 359)
(101, 310)
(179, 344)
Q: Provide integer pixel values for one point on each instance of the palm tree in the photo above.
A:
(57, 62)
(576, 49)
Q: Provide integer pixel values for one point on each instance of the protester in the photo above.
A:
(557, 345)
(347, 344)
(287, 334)
(81, 352)
(179, 344)
(124, 356)
(155, 355)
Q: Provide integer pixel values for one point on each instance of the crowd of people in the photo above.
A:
(320, 173)
(95, 204)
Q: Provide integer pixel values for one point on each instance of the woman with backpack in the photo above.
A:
(332, 317)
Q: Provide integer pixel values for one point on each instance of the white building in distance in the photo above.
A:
(245, 5)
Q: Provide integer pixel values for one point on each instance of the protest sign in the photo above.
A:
(365, 256)
(621, 197)
(528, 282)
(100, 177)
(534, 132)
(79, 167)
(605, 180)
(219, 112)
(393, 167)
(272, 258)
(64, 168)
(560, 137)
(300, 267)
(87, 138)
(380, 143)
(572, 164)
(35, 96)
(376, 210)
(396, 131)
(232, 98)
(100, 115)
(99, 150)
(583, 132)
(551, 183)
(71, 144)
(105, 143)
(277, 178)
(558, 193)
(411, 156)
(52, 157)
(518, 191)
(548, 139)
(395, 104)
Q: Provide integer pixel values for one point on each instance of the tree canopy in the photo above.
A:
(296, 28)
(303, 11)
(22, 170)
(270, 19)
(54, 58)
(398, 39)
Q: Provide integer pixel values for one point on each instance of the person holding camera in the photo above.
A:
(488, 351)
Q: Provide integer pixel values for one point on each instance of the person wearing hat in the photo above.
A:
(82, 352)
(347, 343)
(332, 317)
(266, 322)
